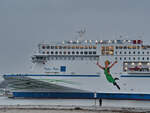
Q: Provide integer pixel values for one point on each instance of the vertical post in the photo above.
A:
(95, 98)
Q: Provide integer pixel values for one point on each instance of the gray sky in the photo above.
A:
(25, 23)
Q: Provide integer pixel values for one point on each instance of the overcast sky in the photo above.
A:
(25, 23)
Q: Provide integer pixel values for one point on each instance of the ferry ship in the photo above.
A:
(71, 69)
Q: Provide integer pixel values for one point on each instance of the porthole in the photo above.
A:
(52, 47)
(85, 52)
(56, 52)
(125, 47)
(48, 47)
(56, 47)
(90, 52)
(81, 52)
(60, 47)
(94, 52)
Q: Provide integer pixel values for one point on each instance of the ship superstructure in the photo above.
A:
(132, 56)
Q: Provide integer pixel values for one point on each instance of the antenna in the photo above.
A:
(81, 33)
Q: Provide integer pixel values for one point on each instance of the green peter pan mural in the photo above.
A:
(107, 72)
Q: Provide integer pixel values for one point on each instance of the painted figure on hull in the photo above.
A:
(107, 72)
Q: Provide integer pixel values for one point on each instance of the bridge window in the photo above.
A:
(107, 50)
(94, 47)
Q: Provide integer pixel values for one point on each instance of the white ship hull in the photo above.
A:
(73, 67)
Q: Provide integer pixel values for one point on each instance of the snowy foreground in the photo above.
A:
(9, 105)
(67, 109)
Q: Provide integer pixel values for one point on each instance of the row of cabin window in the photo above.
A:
(67, 58)
(68, 47)
(132, 52)
(132, 58)
(73, 52)
(127, 47)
